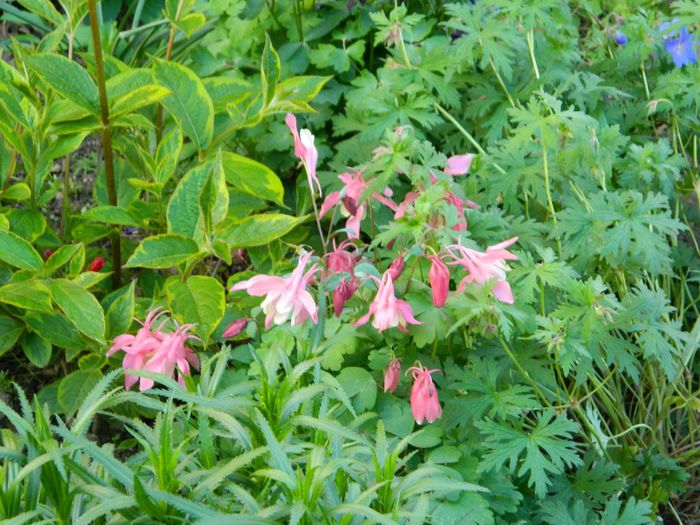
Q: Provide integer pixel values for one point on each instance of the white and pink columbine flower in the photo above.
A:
(484, 266)
(305, 150)
(388, 311)
(286, 298)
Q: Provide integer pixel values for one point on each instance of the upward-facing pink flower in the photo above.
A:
(305, 149)
(388, 311)
(483, 266)
(155, 351)
(425, 405)
(286, 297)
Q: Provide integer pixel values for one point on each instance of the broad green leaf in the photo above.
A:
(56, 328)
(61, 257)
(81, 307)
(190, 207)
(121, 312)
(30, 295)
(111, 215)
(189, 103)
(252, 177)
(258, 230)
(360, 386)
(137, 99)
(190, 23)
(162, 251)
(44, 9)
(18, 252)
(199, 300)
(270, 69)
(17, 192)
(75, 387)
(127, 82)
(167, 156)
(10, 101)
(10, 330)
(67, 78)
(300, 89)
(37, 349)
(227, 90)
(214, 199)
(28, 224)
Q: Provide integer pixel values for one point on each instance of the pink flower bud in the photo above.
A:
(392, 374)
(97, 264)
(396, 268)
(342, 294)
(425, 405)
(439, 276)
(235, 328)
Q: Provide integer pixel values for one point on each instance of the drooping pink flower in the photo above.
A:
(425, 405)
(388, 311)
(343, 293)
(171, 356)
(305, 149)
(155, 351)
(398, 209)
(285, 297)
(235, 328)
(396, 268)
(458, 164)
(439, 276)
(483, 266)
(353, 190)
(97, 264)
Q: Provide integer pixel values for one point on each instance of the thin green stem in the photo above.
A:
(524, 372)
(548, 191)
(531, 48)
(66, 211)
(115, 241)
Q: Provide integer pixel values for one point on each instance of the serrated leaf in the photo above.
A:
(252, 177)
(67, 78)
(199, 300)
(18, 252)
(257, 230)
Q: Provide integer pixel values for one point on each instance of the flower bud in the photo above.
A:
(396, 268)
(439, 276)
(235, 328)
(392, 374)
(97, 264)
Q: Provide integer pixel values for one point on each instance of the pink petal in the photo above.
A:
(458, 164)
(502, 292)
(331, 200)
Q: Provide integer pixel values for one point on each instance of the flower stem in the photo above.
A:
(115, 241)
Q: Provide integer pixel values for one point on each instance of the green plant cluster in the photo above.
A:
(576, 404)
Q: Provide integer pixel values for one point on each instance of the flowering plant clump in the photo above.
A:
(349, 262)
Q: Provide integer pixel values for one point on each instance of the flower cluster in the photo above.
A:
(154, 350)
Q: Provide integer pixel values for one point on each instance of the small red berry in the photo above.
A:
(97, 264)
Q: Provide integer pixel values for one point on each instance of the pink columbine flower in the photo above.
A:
(425, 405)
(388, 311)
(353, 189)
(398, 209)
(155, 351)
(483, 266)
(305, 149)
(439, 276)
(340, 260)
(285, 297)
(235, 328)
(392, 374)
(458, 164)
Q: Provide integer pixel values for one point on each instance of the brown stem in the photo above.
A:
(115, 241)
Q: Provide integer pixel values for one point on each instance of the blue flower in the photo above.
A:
(682, 48)
(620, 38)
